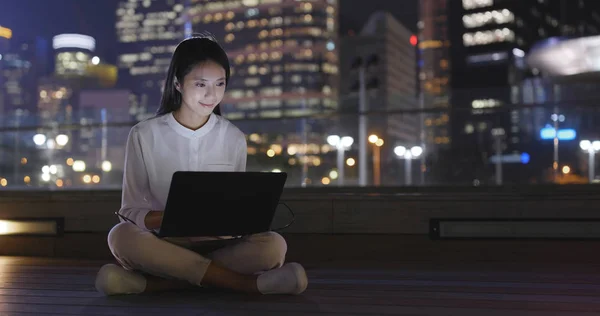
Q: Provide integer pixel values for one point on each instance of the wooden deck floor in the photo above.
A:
(39, 286)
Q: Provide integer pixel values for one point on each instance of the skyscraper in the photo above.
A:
(5, 36)
(384, 43)
(434, 71)
(73, 54)
(386, 53)
(283, 53)
(147, 34)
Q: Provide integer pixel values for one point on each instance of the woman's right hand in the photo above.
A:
(153, 219)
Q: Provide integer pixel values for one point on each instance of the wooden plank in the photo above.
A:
(315, 303)
(398, 283)
(374, 305)
(17, 309)
(28, 314)
(405, 311)
(42, 286)
(40, 309)
(80, 280)
(50, 293)
(53, 287)
(518, 277)
(49, 262)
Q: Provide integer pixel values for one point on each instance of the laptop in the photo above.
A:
(208, 204)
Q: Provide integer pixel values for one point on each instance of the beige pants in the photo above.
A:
(183, 259)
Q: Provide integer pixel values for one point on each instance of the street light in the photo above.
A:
(39, 139)
(61, 140)
(106, 166)
(408, 155)
(361, 64)
(341, 144)
(591, 147)
(378, 142)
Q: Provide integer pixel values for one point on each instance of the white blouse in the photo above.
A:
(159, 146)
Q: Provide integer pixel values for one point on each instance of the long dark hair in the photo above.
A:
(189, 53)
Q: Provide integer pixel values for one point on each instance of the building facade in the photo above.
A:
(434, 73)
(147, 34)
(388, 58)
(283, 54)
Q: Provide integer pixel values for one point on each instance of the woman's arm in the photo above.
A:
(135, 203)
(153, 219)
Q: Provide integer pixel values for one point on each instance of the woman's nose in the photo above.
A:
(210, 92)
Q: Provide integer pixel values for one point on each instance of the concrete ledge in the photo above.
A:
(320, 248)
(389, 224)
(331, 212)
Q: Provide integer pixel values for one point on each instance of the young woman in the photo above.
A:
(188, 134)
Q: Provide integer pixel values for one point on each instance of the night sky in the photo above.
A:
(29, 18)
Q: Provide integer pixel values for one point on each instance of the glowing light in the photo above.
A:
(87, 178)
(250, 3)
(347, 141)
(333, 140)
(106, 166)
(525, 158)
(5, 32)
(62, 139)
(416, 151)
(350, 162)
(400, 151)
(563, 134)
(78, 166)
(373, 139)
(74, 41)
(413, 40)
(46, 177)
(39, 139)
(25, 227)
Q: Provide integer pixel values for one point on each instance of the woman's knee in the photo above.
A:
(122, 236)
(275, 247)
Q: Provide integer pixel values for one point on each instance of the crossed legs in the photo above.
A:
(170, 266)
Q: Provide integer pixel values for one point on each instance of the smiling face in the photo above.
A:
(202, 90)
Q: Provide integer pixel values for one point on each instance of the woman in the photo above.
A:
(188, 134)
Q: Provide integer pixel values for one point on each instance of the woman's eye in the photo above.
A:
(200, 85)
(220, 84)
